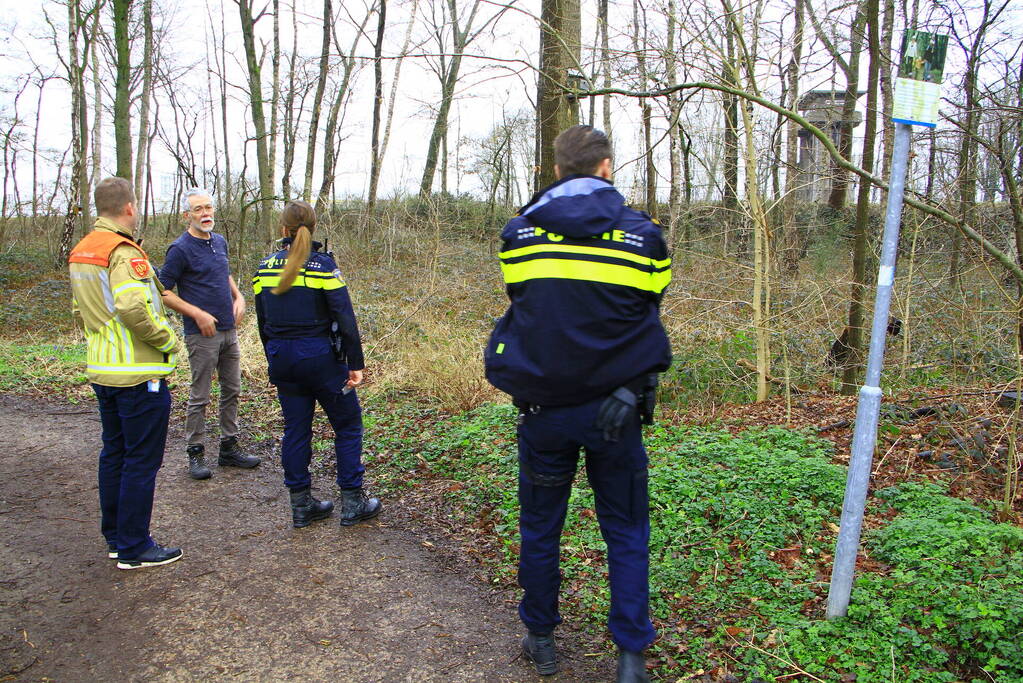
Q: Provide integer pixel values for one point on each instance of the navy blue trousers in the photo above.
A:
(306, 373)
(549, 445)
(134, 423)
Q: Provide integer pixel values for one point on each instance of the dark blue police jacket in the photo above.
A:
(585, 275)
(317, 298)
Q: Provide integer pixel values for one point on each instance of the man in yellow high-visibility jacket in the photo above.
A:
(131, 348)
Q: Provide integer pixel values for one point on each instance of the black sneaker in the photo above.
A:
(111, 551)
(539, 649)
(153, 557)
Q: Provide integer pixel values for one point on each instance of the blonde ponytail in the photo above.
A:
(298, 220)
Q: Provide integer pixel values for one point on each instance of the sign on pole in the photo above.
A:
(917, 92)
(918, 86)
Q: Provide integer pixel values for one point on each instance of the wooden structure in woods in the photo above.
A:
(822, 108)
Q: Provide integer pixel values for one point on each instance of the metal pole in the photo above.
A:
(869, 406)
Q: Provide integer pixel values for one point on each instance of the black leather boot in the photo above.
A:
(631, 668)
(305, 509)
(232, 456)
(357, 506)
(197, 462)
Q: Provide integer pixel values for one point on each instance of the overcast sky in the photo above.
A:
(496, 82)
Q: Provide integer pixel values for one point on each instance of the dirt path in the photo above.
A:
(252, 599)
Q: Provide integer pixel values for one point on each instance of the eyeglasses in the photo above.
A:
(200, 209)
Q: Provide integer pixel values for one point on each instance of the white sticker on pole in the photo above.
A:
(886, 276)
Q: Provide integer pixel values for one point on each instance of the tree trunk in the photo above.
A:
(646, 115)
(605, 68)
(560, 35)
(440, 126)
(854, 367)
(887, 87)
(78, 200)
(290, 119)
(330, 134)
(265, 199)
(275, 92)
(141, 150)
(393, 97)
(35, 146)
(96, 145)
(674, 126)
(730, 144)
(967, 176)
(840, 177)
(746, 58)
(792, 239)
(321, 84)
(378, 102)
(122, 88)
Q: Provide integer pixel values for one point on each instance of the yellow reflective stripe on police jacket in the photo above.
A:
(271, 277)
(593, 264)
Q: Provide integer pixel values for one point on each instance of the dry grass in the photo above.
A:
(427, 292)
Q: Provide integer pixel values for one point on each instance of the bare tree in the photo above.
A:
(854, 367)
(972, 42)
(141, 149)
(463, 32)
(330, 136)
(791, 237)
(122, 88)
(382, 147)
(850, 68)
(321, 85)
(560, 37)
(76, 64)
(378, 102)
(266, 194)
(646, 114)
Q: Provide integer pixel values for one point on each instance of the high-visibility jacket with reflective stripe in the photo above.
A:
(317, 298)
(585, 275)
(117, 302)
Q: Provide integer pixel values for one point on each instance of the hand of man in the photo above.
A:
(354, 378)
(239, 310)
(207, 323)
(615, 412)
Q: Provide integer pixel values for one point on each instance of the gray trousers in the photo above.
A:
(206, 354)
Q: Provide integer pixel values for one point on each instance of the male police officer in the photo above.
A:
(212, 307)
(131, 348)
(577, 350)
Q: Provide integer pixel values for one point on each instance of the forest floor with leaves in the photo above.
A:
(252, 599)
(745, 502)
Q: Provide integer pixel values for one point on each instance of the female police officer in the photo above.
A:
(300, 298)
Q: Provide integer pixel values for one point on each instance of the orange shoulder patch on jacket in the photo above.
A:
(139, 267)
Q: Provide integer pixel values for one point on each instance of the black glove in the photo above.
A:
(615, 412)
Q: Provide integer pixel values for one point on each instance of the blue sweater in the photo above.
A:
(199, 269)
